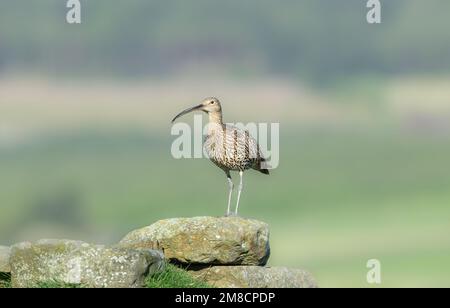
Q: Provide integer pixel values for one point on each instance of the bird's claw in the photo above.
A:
(232, 214)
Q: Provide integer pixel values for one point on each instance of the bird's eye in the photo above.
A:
(212, 102)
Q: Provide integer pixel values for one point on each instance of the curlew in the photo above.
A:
(228, 147)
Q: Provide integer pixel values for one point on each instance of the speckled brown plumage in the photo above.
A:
(233, 149)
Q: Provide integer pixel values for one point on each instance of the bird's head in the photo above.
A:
(208, 105)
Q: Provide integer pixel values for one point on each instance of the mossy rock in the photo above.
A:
(5, 253)
(205, 240)
(79, 263)
(254, 277)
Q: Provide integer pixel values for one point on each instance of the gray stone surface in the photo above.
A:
(254, 277)
(5, 253)
(206, 240)
(77, 262)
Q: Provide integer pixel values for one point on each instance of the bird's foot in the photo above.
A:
(231, 214)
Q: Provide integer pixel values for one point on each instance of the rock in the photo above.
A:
(254, 277)
(76, 262)
(206, 240)
(5, 253)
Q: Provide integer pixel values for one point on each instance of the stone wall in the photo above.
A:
(224, 252)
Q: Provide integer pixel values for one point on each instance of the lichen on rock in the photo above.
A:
(206, 240)
(5, 253)
(75, 262)
(254, 277)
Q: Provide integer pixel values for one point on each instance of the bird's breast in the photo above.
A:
(228, 151)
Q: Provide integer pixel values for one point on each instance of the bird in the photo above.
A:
(229, 147)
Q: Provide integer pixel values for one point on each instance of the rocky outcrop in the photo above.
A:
(254, 277)
(5, 253)
(225, 252)
(76, 262)
(205, 240)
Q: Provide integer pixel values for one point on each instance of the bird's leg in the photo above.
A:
(230, 186)
(241, 185)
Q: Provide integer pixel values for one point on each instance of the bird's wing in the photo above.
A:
(242, 143)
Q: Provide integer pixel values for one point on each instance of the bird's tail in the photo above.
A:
(263, 166)
(265, 171)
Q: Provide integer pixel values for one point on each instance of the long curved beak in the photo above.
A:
(187, 111)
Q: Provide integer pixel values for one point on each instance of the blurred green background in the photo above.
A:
(364, 113)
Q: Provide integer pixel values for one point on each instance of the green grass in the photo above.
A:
(174, 277)
(5, 281)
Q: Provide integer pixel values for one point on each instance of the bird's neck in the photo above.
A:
(215, 122)
(215, 118)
